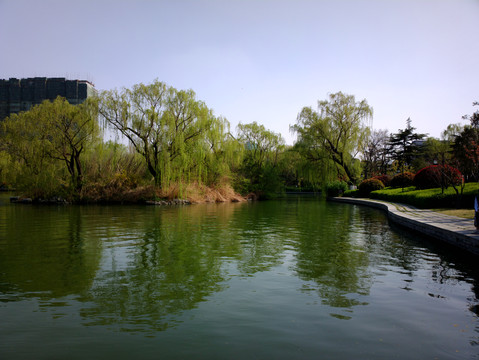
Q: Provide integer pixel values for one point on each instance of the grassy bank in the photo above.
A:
(193, 192)
(429, 198)
(462, 213)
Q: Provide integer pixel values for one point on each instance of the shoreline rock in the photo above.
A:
(168, 202)
(20, 200)
(53, 201)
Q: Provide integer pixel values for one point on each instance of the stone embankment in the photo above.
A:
(22, 200)
(169, 202)
(453, 230)
(61, 201)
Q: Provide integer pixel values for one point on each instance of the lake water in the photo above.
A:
(296, 278)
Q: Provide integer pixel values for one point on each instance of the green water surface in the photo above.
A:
(296, 278)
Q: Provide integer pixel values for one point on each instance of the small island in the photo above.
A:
(155, 144)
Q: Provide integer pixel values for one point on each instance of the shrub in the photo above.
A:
(336, 188)
(385, 179)
(369, 185)
(435, 176)
(402, 180)
(351, 193)
(452, 176)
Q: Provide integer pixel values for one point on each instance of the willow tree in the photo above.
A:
(52, 132)
(70, 130)
(26, 165)
(166, 126)
(336, 131)
(222, 153)
(262, 145)
(262, 148)
(314, 169)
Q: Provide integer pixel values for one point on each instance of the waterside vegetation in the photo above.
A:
(425, 199)
(153, 142)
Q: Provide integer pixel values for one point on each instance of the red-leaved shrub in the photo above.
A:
(369, 185)
(402, 180)
(435, 176)
(385, 179)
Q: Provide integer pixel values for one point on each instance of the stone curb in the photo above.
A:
(169, 202)
(453, 230)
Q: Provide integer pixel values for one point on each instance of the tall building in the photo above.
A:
(21, 94)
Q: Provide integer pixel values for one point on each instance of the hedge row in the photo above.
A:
(336, 188)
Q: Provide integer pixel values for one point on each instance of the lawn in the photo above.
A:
(463, 213)
(431, 198)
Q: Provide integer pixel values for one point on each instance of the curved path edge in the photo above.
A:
(453, 230)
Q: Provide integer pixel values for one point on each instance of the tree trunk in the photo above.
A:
(79, 173)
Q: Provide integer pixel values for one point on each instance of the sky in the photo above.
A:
(261, 60)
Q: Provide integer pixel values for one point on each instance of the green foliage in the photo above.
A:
(242, 185)
(261, 144)
(402, 180)
(111, 171)
(437, 151)
(466, 147)
(260, 163)
(270, 184)
(43, 139)
(337, 132)
(4, 168)
(466, 152)
(430, 198)
(298, 174)
(51, 180)
(368, 185)
(375, 154)
(313, 173)
(336, 188)
(290, 165)
(222, 154)
(352, 193)
(404, 146)
(178, 136)
(175, 140)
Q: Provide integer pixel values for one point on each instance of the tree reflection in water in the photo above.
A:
(45, 253)
(141, 269)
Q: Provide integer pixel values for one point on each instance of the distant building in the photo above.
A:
(418, 143)
(21, 94)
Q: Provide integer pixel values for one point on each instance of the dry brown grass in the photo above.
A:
(119, 190)
(117, 194)
(200, 193)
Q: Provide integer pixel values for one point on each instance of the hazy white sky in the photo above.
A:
(261, 60)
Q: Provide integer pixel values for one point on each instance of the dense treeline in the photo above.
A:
(408, 151)
(170, 144)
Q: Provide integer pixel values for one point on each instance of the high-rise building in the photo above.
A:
(21, 94)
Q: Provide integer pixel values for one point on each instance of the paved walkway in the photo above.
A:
(451, 229)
